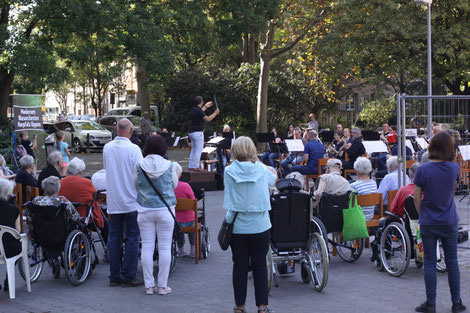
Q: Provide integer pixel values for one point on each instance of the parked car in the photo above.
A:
(76, 134)
(110, 122)
(136, 111)
(88, 117)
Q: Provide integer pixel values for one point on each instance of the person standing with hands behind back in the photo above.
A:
(438, 218)
(196, 130)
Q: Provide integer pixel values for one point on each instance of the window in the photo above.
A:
(136, 113)
(88, 126)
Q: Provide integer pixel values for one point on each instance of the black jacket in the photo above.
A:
(356, 150)
(45, 173)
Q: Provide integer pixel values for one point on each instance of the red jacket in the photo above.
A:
(80, 189)
(398, 205)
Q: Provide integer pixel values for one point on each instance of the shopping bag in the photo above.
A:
(354, 221)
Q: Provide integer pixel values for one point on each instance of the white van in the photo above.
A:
(137, 111)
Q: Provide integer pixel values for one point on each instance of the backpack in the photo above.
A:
(21, 150)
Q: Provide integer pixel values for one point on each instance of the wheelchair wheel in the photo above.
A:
(318, 262)
(271, 269)
(395, 249)
(418, 263)
(305, 272)
(205, 243)
(441, 264)
(35, 262)
(77, 257)
(173, 256)
(349, 251)
(319, 227)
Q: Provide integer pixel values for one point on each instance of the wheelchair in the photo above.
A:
(201, 216)
(293, 238)
(59, 242)
(392, 247)
(328, 219)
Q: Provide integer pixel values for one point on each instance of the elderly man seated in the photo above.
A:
(332, 182)
(53, 168)
(390, 181)
(81, 190)
(398, 204)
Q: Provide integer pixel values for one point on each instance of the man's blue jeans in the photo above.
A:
(271, 156)
(448, 235)
(291, 159)
(117, 224)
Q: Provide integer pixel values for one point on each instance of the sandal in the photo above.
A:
(264, 310)
(239, 309)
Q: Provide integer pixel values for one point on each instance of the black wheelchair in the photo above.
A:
(59, 242)
(201, 216)
(328, 219)
(392, 248)
(293, 238)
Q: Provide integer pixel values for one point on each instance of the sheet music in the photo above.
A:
(215, 140)
(422, 142)
(410, 145)
(375, 146)
(175, 144)
(411, 132)
(465, 152)
(209, 150)
(295, 145)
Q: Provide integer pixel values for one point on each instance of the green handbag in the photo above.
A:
(354, 221)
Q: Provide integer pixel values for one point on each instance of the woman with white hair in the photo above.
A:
(5, 172)
(9, 216)
(81, 190)
(364, 185)
(185, 218)
(246, 200)
(26, 175)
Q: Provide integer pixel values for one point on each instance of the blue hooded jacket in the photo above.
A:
(247, 192)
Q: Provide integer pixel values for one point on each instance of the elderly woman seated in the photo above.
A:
(79, 189)
(51, 187)
(27, 176)
(5, 171)
(332, 182)
(364, 185)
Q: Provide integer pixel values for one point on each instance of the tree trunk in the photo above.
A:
(5, 89)
(253, 49)
(143, 92)
(262, 105)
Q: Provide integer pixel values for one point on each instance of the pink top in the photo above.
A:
(184, 191)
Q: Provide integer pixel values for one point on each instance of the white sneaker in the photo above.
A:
(164, 290)
(181, 254)
(150, 290)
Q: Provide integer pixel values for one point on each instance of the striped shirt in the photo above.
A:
(365, 188)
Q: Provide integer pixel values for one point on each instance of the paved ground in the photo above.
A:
(206, 287)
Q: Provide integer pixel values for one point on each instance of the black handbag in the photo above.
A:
(225, 233)
(177, 233)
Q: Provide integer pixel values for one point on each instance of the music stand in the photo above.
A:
(227, 135)
(368, 135)
(264, 137)
(278, 147)
(327, 136)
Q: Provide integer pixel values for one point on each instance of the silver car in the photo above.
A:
(76, 133)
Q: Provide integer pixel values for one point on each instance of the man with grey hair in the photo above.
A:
(53, 168)
(398, 204)
(120, 157)
(76, 167)
(26, 175)
(313, 152)
(355, 149)
(390, 181)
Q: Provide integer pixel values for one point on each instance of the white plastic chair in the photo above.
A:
(10, 262)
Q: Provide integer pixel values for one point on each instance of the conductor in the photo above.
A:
(196, 130)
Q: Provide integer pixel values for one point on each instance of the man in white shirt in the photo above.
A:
(119, 158)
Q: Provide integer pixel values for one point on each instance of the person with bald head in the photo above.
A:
(119, 159)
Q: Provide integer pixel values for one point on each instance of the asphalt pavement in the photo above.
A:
(207, 287)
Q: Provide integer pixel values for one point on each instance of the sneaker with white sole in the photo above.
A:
(164, 290)
(150, 290)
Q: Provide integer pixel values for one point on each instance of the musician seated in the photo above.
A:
(398, 204)
(332, 182)
(271, 156)
(335, 148)
(390, 181)
(355, 150)
(294, 158)
(393, 145)
(313, 152)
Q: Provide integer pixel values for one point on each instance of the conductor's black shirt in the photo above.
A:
(196, 116)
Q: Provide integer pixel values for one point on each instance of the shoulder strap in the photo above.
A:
(157, 191)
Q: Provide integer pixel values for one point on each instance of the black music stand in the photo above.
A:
(227, 135)
(264, 137)
(327, 136)
(369, 135)
(278, 147)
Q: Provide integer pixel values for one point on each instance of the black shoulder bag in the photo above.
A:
(225, 233)
(177, 233)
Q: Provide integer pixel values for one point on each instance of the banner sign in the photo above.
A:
(27, 118)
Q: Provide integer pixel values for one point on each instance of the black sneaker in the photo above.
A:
(114, 283)
(426, 307)
(131, 283)
(458, 307)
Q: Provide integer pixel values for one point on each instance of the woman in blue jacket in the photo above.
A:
(247, 183)
(438, 218)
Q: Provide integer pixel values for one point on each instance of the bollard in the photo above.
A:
(87, 142)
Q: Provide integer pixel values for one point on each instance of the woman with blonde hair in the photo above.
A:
(246, 200)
